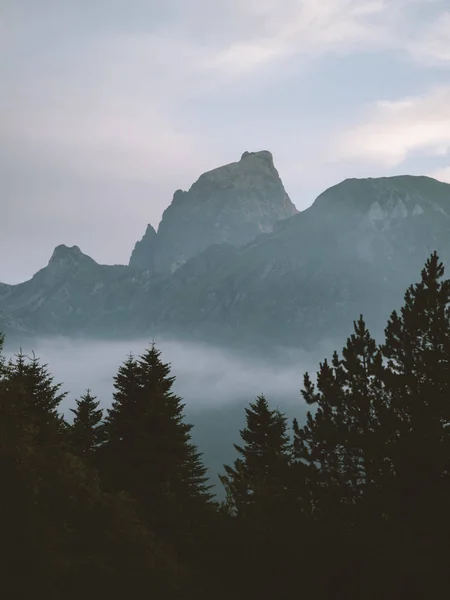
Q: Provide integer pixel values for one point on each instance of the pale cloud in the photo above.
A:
(433, 48)
(395, 130)
(112, 111)
(305, 29)
(308, 29)
(116, 105)
(120, 140)
(108, 106)
(441, 174)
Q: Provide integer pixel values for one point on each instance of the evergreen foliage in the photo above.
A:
(341, 440)
(377, 446)
(62, 535)
(38, 396)
(86, 432)
(417, 376)
(258, 496)
(353, 505)
(149, 455)
(256, 483)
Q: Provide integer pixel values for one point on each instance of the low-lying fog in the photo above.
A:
(215, 385)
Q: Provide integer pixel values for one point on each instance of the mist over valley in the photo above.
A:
(215, 384)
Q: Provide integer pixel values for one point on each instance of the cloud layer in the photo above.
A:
(108, 107)
(394, 130)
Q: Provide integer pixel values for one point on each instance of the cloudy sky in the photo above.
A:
(108, 106)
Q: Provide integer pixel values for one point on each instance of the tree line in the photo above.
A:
(352, 503)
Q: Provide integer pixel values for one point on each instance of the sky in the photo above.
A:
(109, 106)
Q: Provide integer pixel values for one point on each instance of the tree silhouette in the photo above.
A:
(86, 433)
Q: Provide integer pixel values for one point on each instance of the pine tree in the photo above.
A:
(417, 374)
(39, 396)
(415, 424)
(182, 470)
(340, 440)
(62, 535)
(258, 495)
(86, 433)
(2, 358)
(149, 448)
(378, 447)
(258, 479)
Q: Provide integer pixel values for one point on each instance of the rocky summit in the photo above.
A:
(234, 262)
(231, 204)
(355, 250)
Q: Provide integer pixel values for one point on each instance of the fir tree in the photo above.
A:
(37, 393)
(120, 429)
(149, 445)
(258, 479)
(340, 440)
(62, 534)
(181, 467)
(86, 433)
(417, 374)
(2, 358)
(257, 487)
(378, 446)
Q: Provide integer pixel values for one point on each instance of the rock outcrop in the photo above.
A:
(231, 204)
(72, 295)
(355, 250)
(143, 255)
(300, 282)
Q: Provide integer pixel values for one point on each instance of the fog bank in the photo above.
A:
(216, 385)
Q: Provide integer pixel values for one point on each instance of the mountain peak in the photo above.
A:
(253, 169)
(62, 252)
(229, 204)
(143, 251)
(67, 257)
(261, 154)
(378, 196)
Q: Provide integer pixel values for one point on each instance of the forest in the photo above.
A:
(353, 503)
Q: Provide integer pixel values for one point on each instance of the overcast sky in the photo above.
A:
(108, 106)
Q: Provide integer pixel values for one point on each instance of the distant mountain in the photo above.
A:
(143, 255)
(71, 295)
(356, 249)
(233, 204)
(298, 281)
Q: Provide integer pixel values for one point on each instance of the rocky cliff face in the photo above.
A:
(231, 204)
(143, 255)
(355, 250)
(72, 294)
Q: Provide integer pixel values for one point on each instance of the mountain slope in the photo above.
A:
(356, 249)
(143, 254)
(232, 204)
(72, 294)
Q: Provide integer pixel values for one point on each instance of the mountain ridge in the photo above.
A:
(355, 249)
(231, 203)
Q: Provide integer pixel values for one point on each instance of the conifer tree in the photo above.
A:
(340, 440)
(39, 396)
(86, 433)
(417, 373)
(149, 446)
(2, 358)
(378, 444)
(258, 496)
(183, 470)
(257, 481)
(62, 535)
